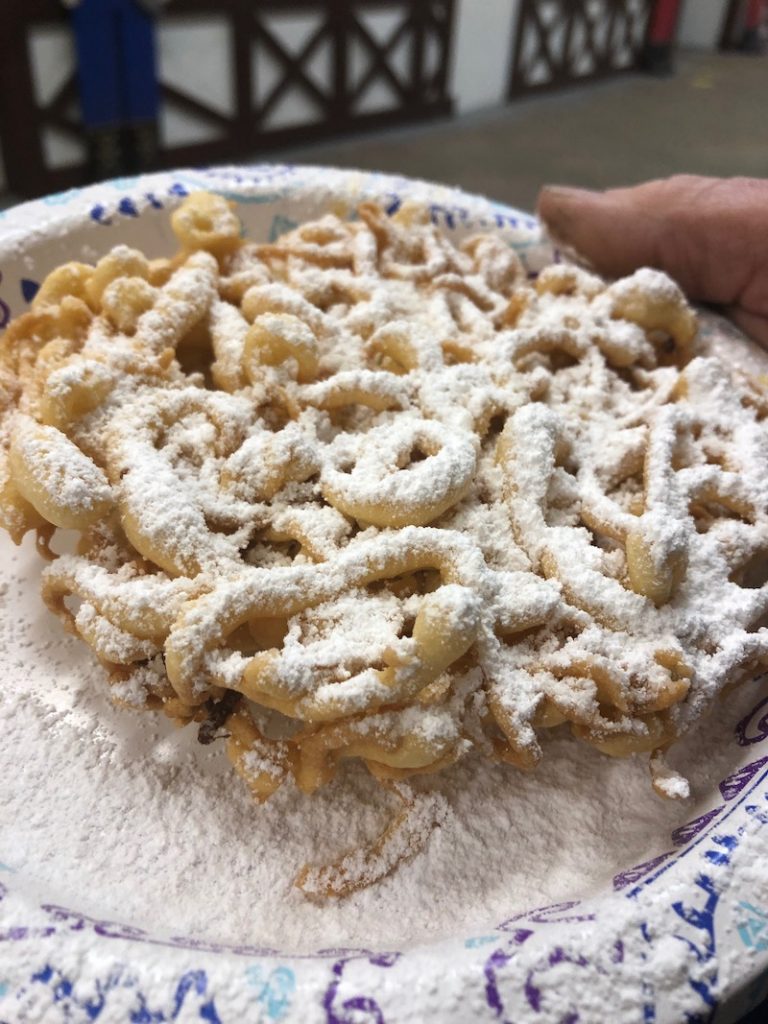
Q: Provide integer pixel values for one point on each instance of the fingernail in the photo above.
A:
(557, 204)
(567, 192)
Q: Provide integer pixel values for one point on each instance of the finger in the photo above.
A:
(709, 234)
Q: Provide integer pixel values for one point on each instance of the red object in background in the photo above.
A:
(658, 51)
(744, 27)
(662, 24)
(754, 16)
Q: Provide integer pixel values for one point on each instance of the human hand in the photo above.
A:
(709, 234)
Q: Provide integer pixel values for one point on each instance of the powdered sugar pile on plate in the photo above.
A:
(130, 818)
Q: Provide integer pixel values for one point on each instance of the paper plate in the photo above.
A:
(681, 936)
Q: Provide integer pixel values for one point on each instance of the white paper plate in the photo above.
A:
(681, 936)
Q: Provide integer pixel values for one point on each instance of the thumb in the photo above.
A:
(709, 234)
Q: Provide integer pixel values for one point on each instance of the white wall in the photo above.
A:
(193, 53)
(700, 23)
(483, 46)
(479, 63)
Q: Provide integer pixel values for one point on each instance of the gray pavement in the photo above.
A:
(709, 118)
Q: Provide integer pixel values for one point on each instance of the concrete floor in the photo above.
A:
(709, 118)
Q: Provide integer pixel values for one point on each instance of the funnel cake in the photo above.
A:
(359, 493)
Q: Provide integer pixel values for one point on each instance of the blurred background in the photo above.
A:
(497, 96)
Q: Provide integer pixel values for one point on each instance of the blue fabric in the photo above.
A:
(115, 47)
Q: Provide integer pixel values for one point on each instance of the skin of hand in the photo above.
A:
(709, 234)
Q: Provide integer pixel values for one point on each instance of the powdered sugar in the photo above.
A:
(46, 453)
(492, 392)
(178, 851)
(128, 818)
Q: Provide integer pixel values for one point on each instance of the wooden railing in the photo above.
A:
(419, 89)
(560, 42)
